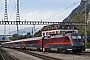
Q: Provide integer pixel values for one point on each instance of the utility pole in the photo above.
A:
(32, 31)
(43, 49)
(17, 17)
(9, 31)
(85, 22)
(5, 18)
(34, 27)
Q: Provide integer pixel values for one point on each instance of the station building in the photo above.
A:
(58, 32)
(56, 29)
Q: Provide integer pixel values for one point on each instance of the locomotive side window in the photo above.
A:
(67, 38)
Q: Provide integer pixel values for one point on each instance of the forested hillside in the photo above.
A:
(80, 17)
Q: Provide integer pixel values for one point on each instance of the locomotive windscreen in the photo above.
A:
(76, 37)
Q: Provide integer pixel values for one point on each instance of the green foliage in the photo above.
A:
(87, 45)
(80, 17)
(14, 37)
(3, 38)
(88, 40)
(88, 9)
(88, 28)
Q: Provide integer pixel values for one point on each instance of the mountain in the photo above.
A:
(80, 8)
(24, 31)
(78, 15)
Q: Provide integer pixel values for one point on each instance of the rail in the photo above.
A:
(4, 55)
(39, 55)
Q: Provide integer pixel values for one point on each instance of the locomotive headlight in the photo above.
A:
(83, 44)
(72, 44)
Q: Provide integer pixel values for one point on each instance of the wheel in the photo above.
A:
(65, 51)
(74, 51)
(59, 50)
(48, 50)
(30, 49)
(38, 49)
(79, 51)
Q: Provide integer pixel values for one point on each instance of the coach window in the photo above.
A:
(17, 42)
(31, 42)
(27, 42)
(34, 42)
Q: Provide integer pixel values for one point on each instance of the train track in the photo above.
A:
(4, 55)
(44, 56)
(39, 55)
(83, 54)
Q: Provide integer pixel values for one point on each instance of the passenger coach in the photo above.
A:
(70, 42)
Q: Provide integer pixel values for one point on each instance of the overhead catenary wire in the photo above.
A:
(12, 12)
(43, 7)
(62, 10)
(9, 3)
(13, 9)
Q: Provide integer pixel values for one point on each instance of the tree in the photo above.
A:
(14, 37)
(28, 35)
(3, 38)
(80, 17)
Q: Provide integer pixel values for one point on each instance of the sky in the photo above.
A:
(37, 10)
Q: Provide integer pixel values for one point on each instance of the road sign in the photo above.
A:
(87, 37)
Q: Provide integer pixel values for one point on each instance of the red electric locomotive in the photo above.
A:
(62, 43)
(65, 43)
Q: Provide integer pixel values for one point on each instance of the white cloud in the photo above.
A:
(45, 15)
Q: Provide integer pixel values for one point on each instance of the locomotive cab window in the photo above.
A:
(77, 38)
